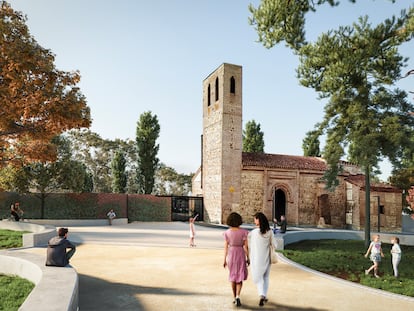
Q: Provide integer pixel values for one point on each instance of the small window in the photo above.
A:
(381, 209)
(208, 95)
(217, 89)
(232, 85)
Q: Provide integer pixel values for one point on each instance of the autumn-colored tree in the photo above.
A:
(38, 101)
(43, 178)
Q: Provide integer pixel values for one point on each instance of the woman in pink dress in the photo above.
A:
(236, 254)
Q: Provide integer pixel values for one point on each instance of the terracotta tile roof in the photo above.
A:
(359, 180)
(283, 161)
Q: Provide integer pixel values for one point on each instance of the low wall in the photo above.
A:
(39, 234)
(296, 236)
(79, 222)
(56, 288)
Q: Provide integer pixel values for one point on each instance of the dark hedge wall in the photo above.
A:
(135, 207)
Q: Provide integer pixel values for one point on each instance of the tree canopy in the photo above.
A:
(253, 137)
(354, 68)
(38, 101)
(148, 131)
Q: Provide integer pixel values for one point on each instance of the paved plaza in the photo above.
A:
(150, 267)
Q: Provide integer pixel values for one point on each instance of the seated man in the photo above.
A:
(56, 249)
(14, 212)
(282, 224)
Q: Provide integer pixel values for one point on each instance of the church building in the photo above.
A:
(276, 184)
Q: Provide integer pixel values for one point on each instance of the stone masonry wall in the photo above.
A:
(251, 194)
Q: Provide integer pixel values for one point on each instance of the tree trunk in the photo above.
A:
(367, 208)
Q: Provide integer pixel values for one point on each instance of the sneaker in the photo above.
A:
(261, 301)
(238, 303)
(366, 272)
(376, 275)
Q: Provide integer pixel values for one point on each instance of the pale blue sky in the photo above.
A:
(135, 56)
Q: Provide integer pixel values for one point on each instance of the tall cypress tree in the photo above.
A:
(119, 175)
(253, 137)
(148, 131)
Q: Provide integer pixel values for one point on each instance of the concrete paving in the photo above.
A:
(150, 267)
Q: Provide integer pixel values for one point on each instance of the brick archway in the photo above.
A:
(281, 196)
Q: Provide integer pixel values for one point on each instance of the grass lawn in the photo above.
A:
(345, 259)
(10, 238)
(13, 289)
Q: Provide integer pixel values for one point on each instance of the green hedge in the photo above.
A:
(135, 207)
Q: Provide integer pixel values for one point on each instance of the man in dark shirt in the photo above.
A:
(56, 249)
(282, 224)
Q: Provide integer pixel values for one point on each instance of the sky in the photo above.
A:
(136, 56)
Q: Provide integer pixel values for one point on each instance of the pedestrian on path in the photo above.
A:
(236, 254)
(192, 230)
(395, 254)
(376, 254)
(260, 263)
(111, 216)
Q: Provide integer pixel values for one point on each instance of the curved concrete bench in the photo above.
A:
(55, 288)
(79, 222)
(39, 234)
(296, 236)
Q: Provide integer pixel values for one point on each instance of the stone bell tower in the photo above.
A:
(222, 142)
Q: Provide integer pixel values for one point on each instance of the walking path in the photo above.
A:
(150, 267)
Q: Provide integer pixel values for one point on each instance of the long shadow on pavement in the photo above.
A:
(99, 294)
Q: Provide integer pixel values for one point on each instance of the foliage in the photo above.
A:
(283, 20)
(345, 259)
(13, 291)
(38, 101)
(46, 177)
(136, 207)
(169, 182)
(253, 137)
(97, 155)
(354, 68)
(149, 208)
(310, 144)
(119, 175)
(148, 130)
(11, 238)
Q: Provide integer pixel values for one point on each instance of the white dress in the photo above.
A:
(259, 253)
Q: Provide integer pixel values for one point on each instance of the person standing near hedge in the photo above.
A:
(111, 216)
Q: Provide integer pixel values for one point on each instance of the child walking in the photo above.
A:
(192, 231)
(396, 254)
(376, 254)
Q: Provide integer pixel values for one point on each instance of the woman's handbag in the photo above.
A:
(272, 250)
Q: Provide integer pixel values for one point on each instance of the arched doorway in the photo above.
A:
(279, 204)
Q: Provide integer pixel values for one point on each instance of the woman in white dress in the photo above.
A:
(259, 241)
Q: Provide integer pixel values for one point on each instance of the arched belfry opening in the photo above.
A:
(232, 85)
(279, 204)
(217, 89)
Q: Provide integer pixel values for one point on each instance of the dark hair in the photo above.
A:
(263, 222)
(397, 239)
(62, 231)
(234, 220)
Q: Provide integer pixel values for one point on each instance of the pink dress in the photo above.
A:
(236, 258)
